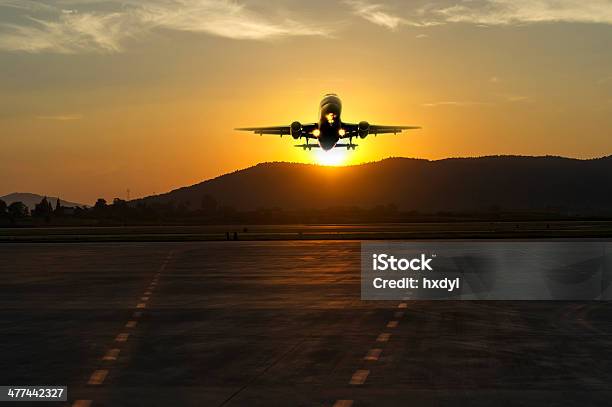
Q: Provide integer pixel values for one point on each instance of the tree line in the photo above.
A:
(209, 211)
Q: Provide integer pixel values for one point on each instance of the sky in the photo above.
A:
(101, 96)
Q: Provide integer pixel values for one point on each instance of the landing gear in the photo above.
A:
(350, 144)
(307, 145)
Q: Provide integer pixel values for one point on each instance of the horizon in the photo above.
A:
(101, 97)
(54, 196)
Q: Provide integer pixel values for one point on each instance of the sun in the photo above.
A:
(333, 157)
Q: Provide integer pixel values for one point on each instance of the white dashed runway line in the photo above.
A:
(361, 375)
(373, 354)
(343, 403)
(392, 324)
(131, 324)
(112, 354)
(99, 375)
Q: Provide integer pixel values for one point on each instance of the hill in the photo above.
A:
(509, 183)
(30, 199)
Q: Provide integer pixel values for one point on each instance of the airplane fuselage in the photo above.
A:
(330, 125)
(328, 129)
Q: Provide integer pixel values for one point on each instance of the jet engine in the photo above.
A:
(363, 129)
(296, 130)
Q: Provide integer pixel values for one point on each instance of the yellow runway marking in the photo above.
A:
(148, 292)
(403, 305)
(393, 324)
(383, 337)
(81, 403)
(343, 403)
(141, 305)
(373, 354)
(131, 324)
(359, 377)
(144, 299)
(122, 337)
(112, 354)
(98, 376)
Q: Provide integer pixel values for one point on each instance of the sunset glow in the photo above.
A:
(152, 106)
(335, 157)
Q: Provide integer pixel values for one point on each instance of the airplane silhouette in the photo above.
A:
(329, 129)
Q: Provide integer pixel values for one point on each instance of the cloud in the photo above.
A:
(485, 12)
(454, 103)
(222, 18)
(375, 13)
(507, 12)
(379, 14)
(68, 31)
(62, 118)
(517, 98)
(28, 5)
(498, 98)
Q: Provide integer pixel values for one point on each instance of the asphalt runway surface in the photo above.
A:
(278, 324)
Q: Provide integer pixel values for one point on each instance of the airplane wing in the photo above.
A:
(351, 129)
(281, 130)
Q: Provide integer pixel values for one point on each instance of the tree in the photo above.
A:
(58, 205)
(100, 204)
(3, 207)
(43, 209)
(17, 210)
(120, 203)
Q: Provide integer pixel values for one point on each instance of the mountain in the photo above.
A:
(510, 183)
(30, 199)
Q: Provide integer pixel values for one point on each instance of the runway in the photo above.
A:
(278, 323)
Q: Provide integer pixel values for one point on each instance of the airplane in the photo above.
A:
(329, 129)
